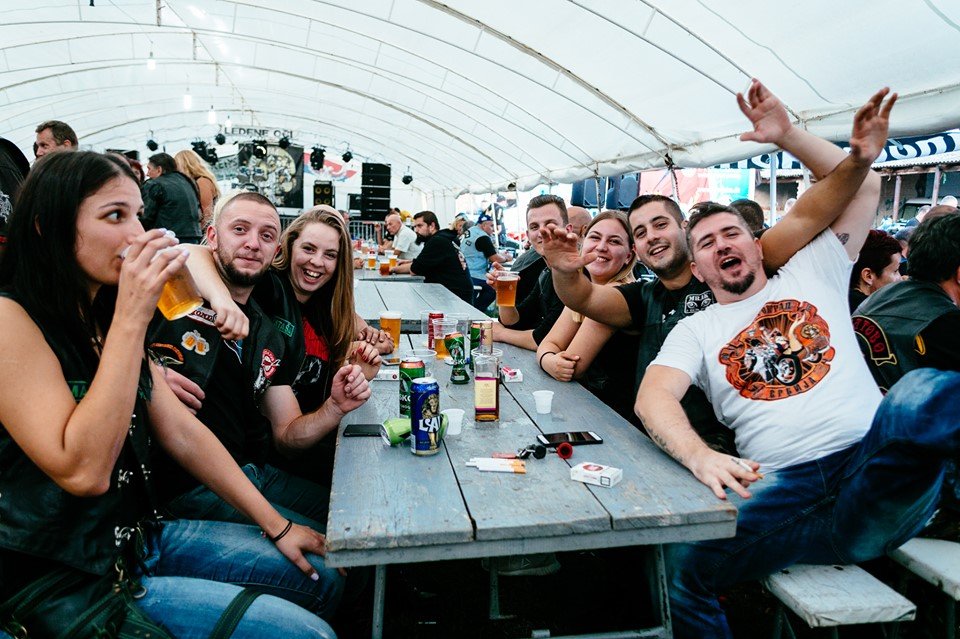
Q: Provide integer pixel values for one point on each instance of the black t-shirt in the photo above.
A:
(440, 263)
(541, 309)
(485, 245)
(529, 265)
(655, 310)
(610, 376)
(855, 297)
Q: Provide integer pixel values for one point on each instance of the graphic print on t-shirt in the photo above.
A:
(784, 352)
(317, 355)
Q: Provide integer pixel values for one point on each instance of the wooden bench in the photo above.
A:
(832, 596)
(937, 562)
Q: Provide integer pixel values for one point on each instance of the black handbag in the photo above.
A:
(70, 604)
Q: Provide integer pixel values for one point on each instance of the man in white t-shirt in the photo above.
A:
(404, 240)
(847, 476)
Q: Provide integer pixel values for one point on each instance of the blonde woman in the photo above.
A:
(193, 166)
(601, 357)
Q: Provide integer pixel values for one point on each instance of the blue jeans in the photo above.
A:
(848, 507)
(303, 501)
(195, 568)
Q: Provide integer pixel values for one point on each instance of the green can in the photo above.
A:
(456, 348)
(410, 369)
(395, 430)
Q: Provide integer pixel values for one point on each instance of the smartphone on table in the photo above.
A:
(362, 430)
(577, 438)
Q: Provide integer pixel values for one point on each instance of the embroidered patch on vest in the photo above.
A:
(193, 341)
(283, 326)
(203, 315)
(875, 339)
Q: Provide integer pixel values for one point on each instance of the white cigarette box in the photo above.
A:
(597, 474)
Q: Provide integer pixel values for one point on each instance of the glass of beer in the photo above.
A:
(384, 267)
(507, 288)
(441, 328)
(390, 322)
(179, 295)
(393, 260)
(371, 261)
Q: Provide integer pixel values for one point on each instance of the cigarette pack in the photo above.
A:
(511, 375)
(597, 474)
(389, 374)
(494, 465)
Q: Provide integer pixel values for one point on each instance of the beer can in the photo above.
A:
(395, 430)
(486, 336)
(425, 417)
(455, 346)
(410, 369)
(432, 315)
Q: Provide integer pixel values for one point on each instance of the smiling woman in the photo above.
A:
(601, 357)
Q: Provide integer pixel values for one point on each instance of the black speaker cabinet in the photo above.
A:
(323, 193)
(374, 191)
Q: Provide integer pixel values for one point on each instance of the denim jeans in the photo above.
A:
(195, 568)
(300, 500)
(485, 296)
(848, 507)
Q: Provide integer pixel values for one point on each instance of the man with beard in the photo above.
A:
(654, 308)
(440, 261)
(846, 481)
(241, 389)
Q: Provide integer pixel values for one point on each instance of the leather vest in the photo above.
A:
(39, 518)
(476, 260)
(889, 322)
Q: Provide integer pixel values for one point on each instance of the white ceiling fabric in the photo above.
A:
(474, 95)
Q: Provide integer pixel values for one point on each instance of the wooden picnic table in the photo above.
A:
(410, 298)
(365, 275)
(389, 506)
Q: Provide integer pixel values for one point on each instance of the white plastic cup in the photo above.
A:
(544, 401)
(455, 420)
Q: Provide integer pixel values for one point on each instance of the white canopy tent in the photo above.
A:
(473, 96)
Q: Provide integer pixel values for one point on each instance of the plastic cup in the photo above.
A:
(441, 328)
(392, 261)
(543, 400)
(425, 355)
(507, 288)
(455, 420)
(371, 261)
(390, 322)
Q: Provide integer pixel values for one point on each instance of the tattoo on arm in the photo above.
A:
(843, 237)
(662, 443)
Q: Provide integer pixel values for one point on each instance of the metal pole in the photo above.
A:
(773, 189)
(898, 182)
(936, 186)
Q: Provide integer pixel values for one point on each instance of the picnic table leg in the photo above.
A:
(379, 597)
(658, 591)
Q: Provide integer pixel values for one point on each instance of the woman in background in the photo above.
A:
(193, 166)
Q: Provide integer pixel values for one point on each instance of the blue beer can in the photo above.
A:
(425, 417)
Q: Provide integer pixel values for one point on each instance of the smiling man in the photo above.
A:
(845, 481)
(241, 389)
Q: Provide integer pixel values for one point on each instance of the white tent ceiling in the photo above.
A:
(473, 94)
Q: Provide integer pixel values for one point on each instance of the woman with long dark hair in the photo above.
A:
(80, 407)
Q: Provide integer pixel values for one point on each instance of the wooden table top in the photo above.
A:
(389, 506)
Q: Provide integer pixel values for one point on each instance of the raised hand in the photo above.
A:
(871, 125)
(767, 114)
(561, 252)
(491, 275)
(231, 321)
(146, 267)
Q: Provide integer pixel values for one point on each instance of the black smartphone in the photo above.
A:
(362, 430)
(579, 438)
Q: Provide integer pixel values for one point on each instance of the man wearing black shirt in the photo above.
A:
(654, 308)
(241, 389)
(440, 261)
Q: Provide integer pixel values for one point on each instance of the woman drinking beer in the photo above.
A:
(602, 358)
(80, 408)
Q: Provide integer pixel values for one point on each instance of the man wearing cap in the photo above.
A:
(480, 253)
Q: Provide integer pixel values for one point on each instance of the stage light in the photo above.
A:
(211, 116)
(227, 124)
(284, 142)
(212, 156)
(220, 138)
(260, 149)
(152, 145)
(316, 158)
(347, 156)
(407, 179)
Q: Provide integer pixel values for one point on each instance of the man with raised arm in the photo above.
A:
(845, 481)
(654, 308)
